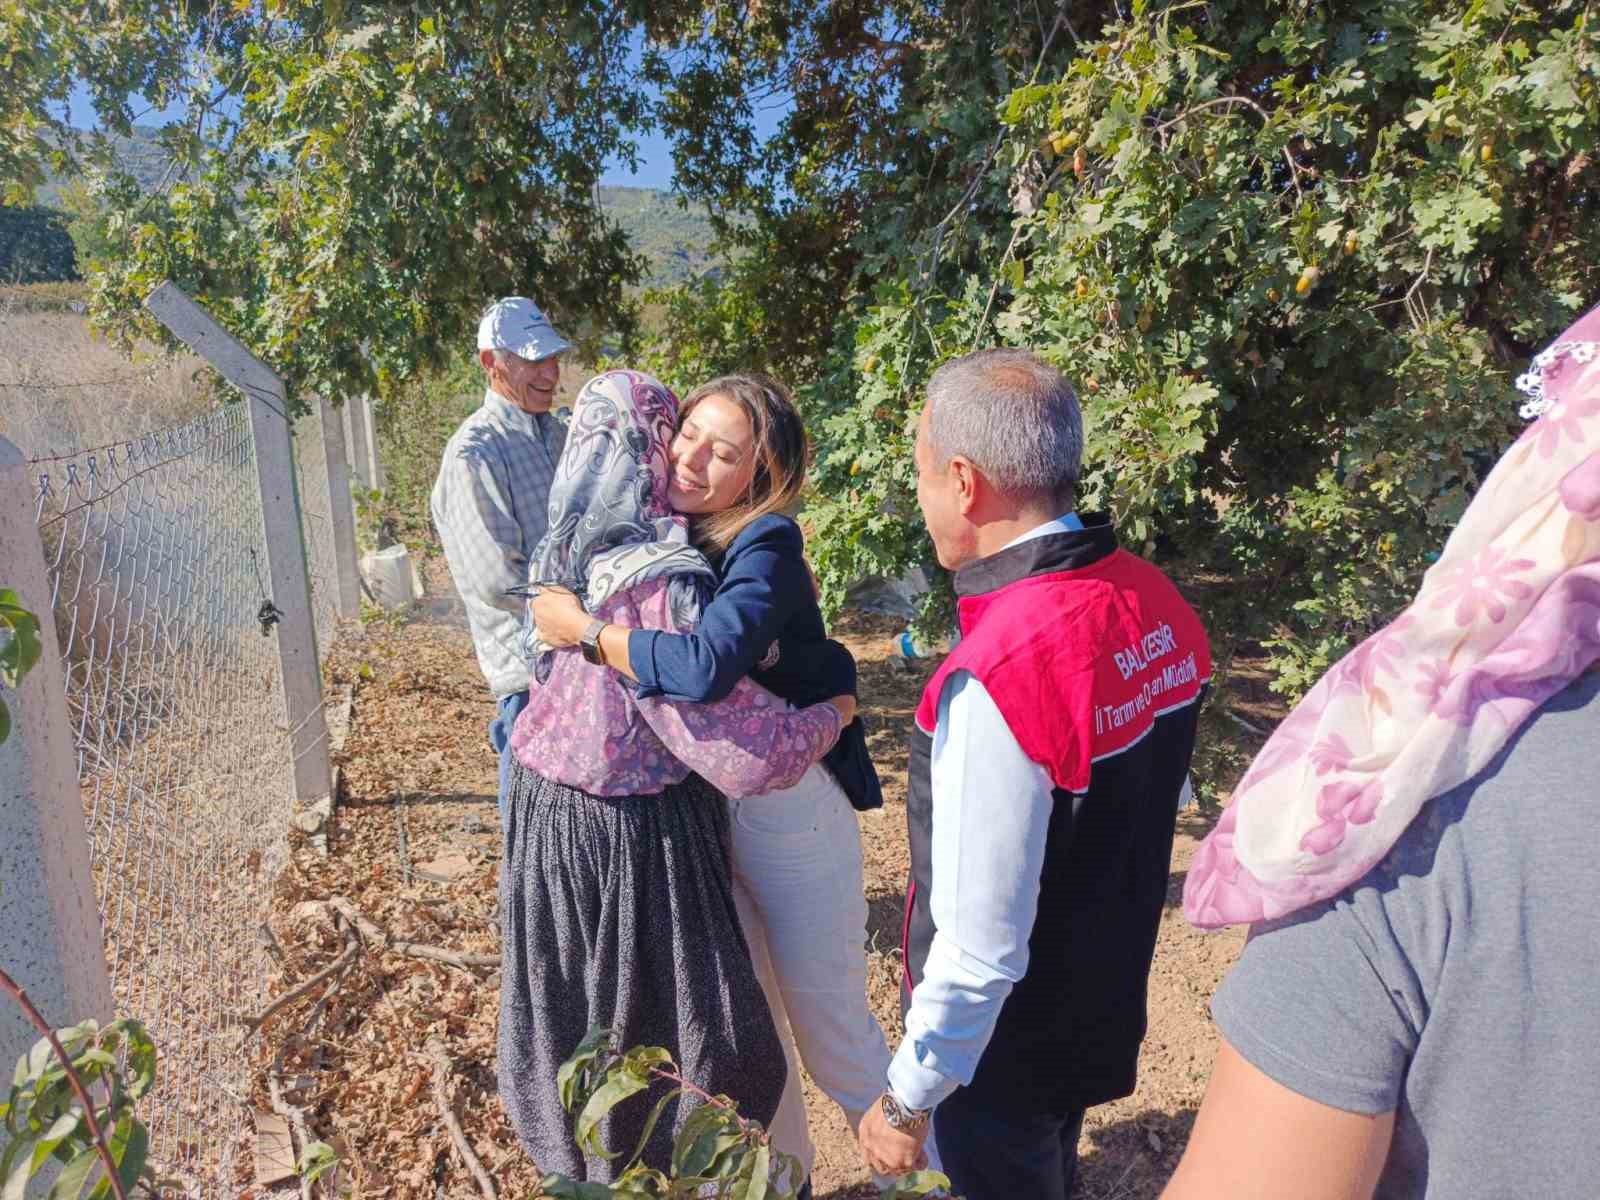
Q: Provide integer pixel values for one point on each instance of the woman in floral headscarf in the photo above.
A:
(1416, 850)
(616, 893)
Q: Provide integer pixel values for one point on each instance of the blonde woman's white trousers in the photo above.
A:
(798, 881)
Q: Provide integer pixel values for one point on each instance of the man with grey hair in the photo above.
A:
(491, 501)
(1051, 748)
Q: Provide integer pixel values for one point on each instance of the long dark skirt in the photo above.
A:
(618, 911)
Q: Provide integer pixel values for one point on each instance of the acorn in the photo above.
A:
(870, 365)
(1083, 288)
(1307, 281)
(1080, 161)
(1092, 384)
(1272, 296)
(1486, 152)
(1063, 140)
(1352, 243)
(1144, 319)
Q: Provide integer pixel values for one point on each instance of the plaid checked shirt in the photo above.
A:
(491, 506)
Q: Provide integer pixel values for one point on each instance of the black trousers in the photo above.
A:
(990, 1156)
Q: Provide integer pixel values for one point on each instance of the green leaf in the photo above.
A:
(757, 1175)
(1552, 78)
(574, 1071)
(617, 1088)
(140, 1067)
(642, 1060)
(696, 1143)
(1023, 101)
(317, 1160)
(69, 1184)
(16, 1181)
(129, 1146)
(916, 1183)
(21, 647)
(650, 1124)
(559, 1187)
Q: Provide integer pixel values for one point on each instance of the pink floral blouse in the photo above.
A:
(587, 728)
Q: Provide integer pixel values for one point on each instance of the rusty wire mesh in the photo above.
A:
(157, 565)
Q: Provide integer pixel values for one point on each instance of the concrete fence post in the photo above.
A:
(363, 431)
(341, 510)
(50, 939)
(287, 577)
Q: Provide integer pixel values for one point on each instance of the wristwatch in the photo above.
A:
(589, 643)
(906, 1120)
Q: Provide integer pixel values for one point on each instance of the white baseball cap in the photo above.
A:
(516, 324)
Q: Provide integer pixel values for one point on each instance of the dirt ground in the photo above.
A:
(415, 850)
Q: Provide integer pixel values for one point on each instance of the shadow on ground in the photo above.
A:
(1128, 1160)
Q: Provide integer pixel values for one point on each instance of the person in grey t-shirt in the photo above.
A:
(1415, 848)
(1447, 1001)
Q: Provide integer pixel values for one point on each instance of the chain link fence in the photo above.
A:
(156, 566)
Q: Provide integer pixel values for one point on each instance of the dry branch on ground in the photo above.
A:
(417, 760)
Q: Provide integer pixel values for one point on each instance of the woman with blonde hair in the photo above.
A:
(738, 463)
(616, 899)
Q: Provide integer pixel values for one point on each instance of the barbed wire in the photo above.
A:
(49, 386)
(135, 445)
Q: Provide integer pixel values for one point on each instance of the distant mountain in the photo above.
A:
(141, 154)
(674, 240)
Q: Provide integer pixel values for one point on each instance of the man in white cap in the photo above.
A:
(491, 500)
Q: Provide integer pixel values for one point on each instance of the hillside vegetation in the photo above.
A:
(674, 240)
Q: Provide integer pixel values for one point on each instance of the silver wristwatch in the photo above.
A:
(589, 644)
(906, 1120)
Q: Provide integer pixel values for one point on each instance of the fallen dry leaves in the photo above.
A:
(415, 850)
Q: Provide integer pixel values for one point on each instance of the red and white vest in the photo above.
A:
(1098, 666)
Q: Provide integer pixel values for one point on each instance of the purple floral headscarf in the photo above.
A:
(1508, 616)
(611, 526)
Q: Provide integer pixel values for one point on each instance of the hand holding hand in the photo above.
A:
(558, 616)
(886, 1149)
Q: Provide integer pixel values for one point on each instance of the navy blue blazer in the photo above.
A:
(763, 622)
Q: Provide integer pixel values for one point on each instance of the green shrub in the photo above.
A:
(35, 246)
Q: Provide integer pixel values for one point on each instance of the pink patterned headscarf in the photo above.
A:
(1508, 616)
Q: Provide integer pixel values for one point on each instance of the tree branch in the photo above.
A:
(14, 989)
(373, 931)
(440, 1059)
(297, 1120)
(253, 1024)
(1288, 157)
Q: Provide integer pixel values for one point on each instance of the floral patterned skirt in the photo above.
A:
(619, 911)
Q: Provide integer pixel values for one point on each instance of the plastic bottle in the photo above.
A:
(908, 646)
